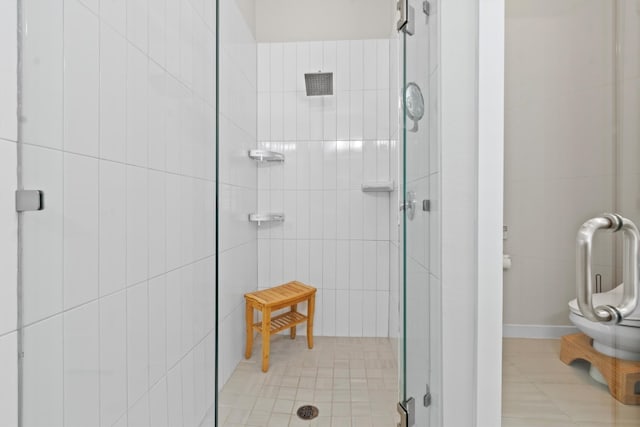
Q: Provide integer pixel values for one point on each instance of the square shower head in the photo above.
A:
(318, 84)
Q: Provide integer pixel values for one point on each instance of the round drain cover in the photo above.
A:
(307, 412)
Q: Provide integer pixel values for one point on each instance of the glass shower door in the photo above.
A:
(419, 194)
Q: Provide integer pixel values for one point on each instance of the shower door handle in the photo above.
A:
(630, 264)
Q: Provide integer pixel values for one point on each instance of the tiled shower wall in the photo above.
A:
(394, 196)
(334, 237)
(238, 192)
(8, 216)
(118, 130)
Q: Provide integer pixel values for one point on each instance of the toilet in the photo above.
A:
(621, 341)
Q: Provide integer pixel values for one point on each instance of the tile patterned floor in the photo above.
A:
(538, 390)
(352, 381)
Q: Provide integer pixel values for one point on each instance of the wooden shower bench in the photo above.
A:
(272, 299)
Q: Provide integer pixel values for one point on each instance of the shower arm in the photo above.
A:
(631, 263)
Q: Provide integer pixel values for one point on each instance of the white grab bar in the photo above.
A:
(631, 263)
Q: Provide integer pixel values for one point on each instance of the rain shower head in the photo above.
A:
(318, 84)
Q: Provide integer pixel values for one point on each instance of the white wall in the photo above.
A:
(118, 130)
(307, 20)
(238, 173)
(459, 118)
(8, 216)
(628, 108)
(334, 237)
(490, 206)
(559, 151)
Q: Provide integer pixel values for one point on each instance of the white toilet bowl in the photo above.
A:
(621, 341)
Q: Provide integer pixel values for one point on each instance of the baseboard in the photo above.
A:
(537, 331)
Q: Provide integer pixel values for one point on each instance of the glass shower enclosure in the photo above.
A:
(118, 270)
(419, 380)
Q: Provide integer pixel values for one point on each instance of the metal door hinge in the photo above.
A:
(406, 22)
(407, 411)
(29, 200)
(426, 8)
(426, 401)
(402, 6)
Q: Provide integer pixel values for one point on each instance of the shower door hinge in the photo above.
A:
(406, 22)
(402, 6)
(29, 200)
(407, 411)
(426, 8)
(426, 401)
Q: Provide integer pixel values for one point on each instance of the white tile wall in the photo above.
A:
(8, 73)
(238, 187)
(335, 237)
(158, 415)
(81, 79)
(119, 277)
(43, 375)
(9, 385)
(113, 357)
(8, 217)
(9, 237)
(43, 60)
(81, 365)
(80, 230)
(113, 77)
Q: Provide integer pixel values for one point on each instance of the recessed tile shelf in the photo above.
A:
(266, 217)
(378, 187)
(266, 156)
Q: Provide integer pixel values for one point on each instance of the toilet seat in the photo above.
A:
(612, 297)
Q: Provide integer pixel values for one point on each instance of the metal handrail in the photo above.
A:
(631, 264)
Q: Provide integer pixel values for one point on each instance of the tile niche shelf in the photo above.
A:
(259, 218)
(266, 156)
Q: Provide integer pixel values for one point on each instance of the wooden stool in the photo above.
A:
(269, 300)
(621, 375)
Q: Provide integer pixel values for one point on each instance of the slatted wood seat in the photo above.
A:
(269, 300)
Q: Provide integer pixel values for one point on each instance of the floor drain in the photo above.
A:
(307, 412)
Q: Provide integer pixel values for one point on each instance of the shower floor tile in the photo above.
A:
(352, 382)
(538, 390)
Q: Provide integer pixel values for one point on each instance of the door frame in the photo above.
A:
(472, 132)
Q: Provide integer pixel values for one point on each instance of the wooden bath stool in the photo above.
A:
(622, 376)
(272, 299)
